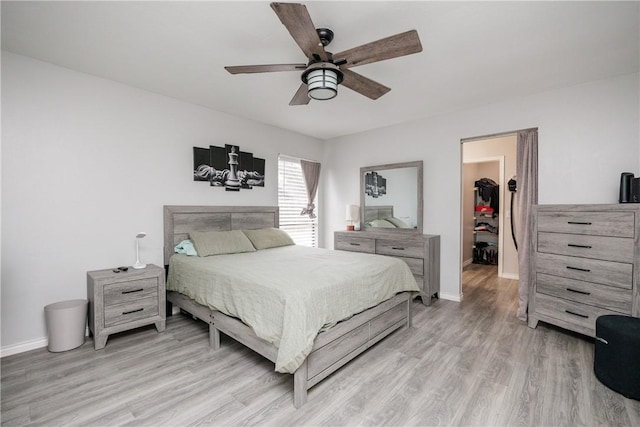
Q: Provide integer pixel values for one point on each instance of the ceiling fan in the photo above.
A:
(324, 70)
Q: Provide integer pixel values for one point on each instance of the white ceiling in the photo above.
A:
(474, 53)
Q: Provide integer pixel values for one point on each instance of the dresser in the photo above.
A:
(125, 300)
(421, 252)
(585, 263)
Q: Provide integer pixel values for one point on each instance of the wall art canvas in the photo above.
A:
(228, 167)
(375, 185)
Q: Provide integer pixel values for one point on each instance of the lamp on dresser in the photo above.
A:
(353, 216)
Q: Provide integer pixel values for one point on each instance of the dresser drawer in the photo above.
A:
(130, 311)
(608, 297)
(582, 315)
(591, 270)
(122, 292)
(419, 281)
(595, 247)
(400, 248)
(355, 244)
(614, 224)
(416, 265)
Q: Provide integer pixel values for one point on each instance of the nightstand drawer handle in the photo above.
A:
(578, 223)
(577, 314)
(586, 270)
(578, 292)
(397, 248)
(571, 245)
(132, 311)
(132, 291)
(354, 244)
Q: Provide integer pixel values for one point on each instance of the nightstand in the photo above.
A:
(125, 300)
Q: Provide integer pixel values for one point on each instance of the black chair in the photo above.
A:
(617, 354)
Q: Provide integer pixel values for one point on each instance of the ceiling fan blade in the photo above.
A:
(296, 19)
(301, 97)
(391, 47)
(247, 69)
(363, 85)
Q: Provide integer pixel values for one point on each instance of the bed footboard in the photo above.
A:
(331, 350)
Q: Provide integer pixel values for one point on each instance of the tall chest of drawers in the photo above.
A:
(585, 263)
(421, 253)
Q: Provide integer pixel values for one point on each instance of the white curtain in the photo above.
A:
(527, 191)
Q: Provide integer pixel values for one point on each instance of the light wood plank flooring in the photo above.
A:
(471, 363)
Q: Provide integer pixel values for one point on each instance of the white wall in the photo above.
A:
(588, 134)
(87, 163)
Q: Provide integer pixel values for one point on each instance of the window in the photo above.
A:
(292, 198)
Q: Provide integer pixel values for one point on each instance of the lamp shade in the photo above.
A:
(353, 213)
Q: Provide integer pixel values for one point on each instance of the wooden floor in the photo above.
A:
(471, 363)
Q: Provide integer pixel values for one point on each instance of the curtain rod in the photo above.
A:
(495, 135)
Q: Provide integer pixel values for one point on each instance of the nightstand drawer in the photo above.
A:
(119, 293)
(130, 311)
(603, 296)
(595, 247)
(355, 244)
(614, 224)
(400, 248)
(591, 270)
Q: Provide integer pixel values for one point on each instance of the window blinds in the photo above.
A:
(292, 199)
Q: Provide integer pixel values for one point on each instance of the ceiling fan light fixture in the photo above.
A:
(322, 84)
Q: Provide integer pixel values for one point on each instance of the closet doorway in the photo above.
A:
(487, 166)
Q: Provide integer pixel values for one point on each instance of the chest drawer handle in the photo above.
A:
(578, 223)
(354, 244)
(577, 314)
(397, 248)
(586, 270)
(578, 292)
(571, 245)
(132, 291)
(132, 311)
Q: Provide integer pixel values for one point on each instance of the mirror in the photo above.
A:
(391, 197)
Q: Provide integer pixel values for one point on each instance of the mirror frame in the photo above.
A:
(419, 196)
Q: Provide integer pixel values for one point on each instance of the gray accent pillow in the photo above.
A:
(265, 238)
(220, 242)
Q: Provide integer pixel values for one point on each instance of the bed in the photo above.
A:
(327, 350)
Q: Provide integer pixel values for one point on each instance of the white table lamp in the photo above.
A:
(353, 215)
(138, 264)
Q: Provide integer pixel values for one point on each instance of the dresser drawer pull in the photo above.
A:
(354, 244)
(578, 268)
(132, 311)
(395, 248)
(132, 291)
(571, 245)
(578, 292)
(577, 314)
(578, 223)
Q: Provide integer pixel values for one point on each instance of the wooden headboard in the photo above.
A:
(179, 220)
(377, 212)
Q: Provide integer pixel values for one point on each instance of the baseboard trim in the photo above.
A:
(467, 262)
(451, 297)
(25, 346)
(510, 276)
(22, 347)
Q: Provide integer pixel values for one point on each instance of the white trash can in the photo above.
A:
(66, 324)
